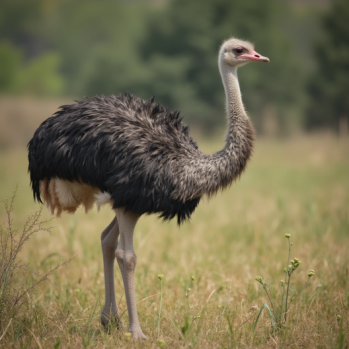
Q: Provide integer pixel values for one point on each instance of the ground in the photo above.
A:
(297, 186)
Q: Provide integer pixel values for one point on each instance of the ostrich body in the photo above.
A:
(139, 157)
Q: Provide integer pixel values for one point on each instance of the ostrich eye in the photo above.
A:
(239, 50)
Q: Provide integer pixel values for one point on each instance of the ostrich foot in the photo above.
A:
(137, 333)
(106, 320)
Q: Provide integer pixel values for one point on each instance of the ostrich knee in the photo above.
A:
(119, 254)
(130, 262)
(108, 247)
(127, 261)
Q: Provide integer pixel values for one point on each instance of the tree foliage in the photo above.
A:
(329, 86)
(191, 33)
(164, 49)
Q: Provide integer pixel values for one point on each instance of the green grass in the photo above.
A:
(298, 186)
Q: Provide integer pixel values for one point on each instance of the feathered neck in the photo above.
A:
(206, 174)
(235, 110)
(240, 133)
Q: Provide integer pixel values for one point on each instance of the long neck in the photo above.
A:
(233, 158)
(234, 107)
(240, 133)
(206, 174)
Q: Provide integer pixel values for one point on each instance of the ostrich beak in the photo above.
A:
(254, 56)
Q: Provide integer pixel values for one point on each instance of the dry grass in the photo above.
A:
(298, 186)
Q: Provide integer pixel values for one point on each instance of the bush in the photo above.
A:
(14, 274)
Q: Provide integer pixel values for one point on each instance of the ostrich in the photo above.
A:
(137, 156)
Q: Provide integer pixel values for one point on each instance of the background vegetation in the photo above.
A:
(51, 48)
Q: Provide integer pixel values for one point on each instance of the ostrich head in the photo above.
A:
(235, 52)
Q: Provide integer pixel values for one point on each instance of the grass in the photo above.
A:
(298, 186)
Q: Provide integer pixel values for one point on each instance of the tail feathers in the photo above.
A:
(102, 198)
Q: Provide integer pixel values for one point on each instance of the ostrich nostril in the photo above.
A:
(257, 56)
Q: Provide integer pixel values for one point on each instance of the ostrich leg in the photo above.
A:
(109, 241)
(127, 261)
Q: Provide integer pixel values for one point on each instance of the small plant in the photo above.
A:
(341, 333)
(225, 306)
(186, 295)
(13, 273)
(127, 336)
(161, 343)
(160, 277)
(278, 315)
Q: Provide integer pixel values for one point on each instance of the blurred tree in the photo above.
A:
(98, 40)
(167, 49)
(40, 77)
(21, 24)
(10, 61)
(27, 65)
(192, 31)
(329, 86)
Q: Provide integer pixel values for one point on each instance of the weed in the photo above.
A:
(160, 277)
(341, 336)
(278, 316)
(161, 343)
(14, 274)
(188, 289)
(225, 306)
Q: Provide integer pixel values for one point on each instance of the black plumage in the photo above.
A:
(122, 145)
(139, 152)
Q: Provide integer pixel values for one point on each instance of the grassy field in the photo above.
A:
(298, 186)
